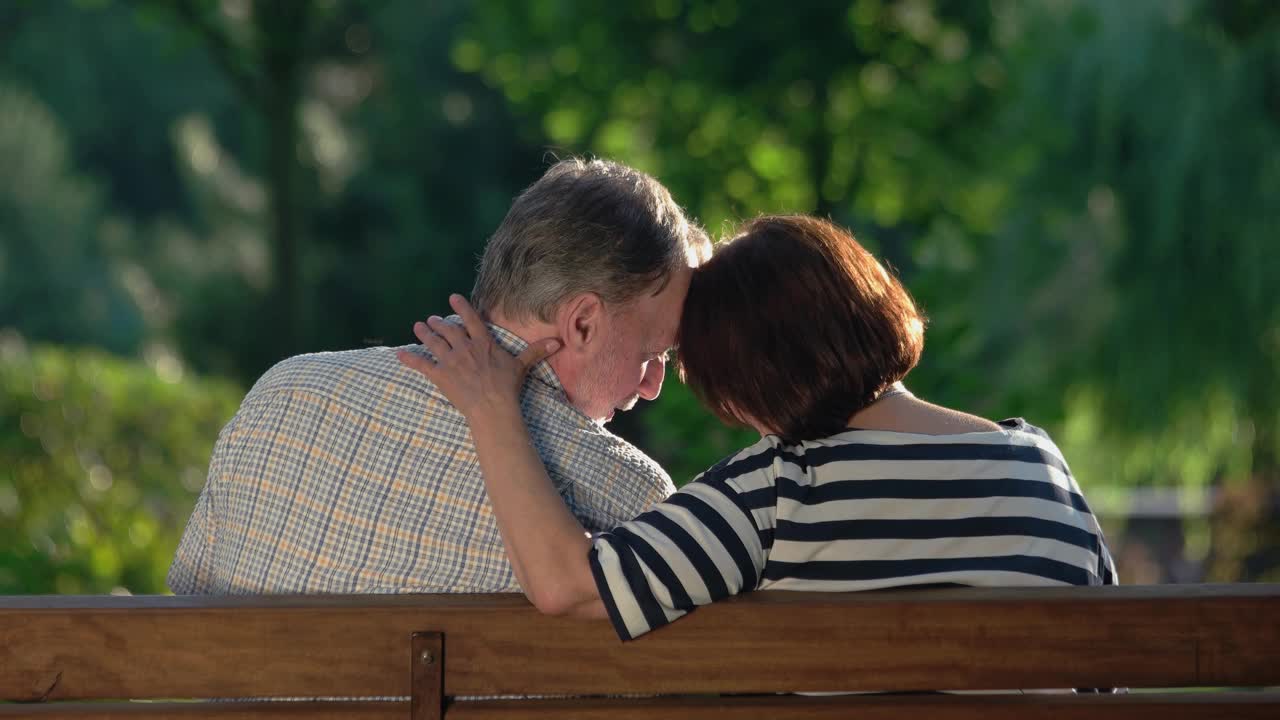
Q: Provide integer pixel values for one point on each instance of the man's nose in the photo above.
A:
(651, 383)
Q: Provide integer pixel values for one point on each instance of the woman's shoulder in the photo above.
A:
(1009, 430)
(1013, 438)
(772, 456)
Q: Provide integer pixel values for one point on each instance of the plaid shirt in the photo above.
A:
(347, 472)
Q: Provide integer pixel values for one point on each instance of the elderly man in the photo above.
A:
(346, 472)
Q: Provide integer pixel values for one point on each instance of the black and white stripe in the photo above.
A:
(861, 510)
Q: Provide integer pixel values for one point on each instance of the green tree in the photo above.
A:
(874, 113)
(1082, 194)
(59, 278)
(404, 164)
(1148, 302)
(265, 54)
(387, 164)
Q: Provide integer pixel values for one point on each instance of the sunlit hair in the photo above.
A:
(795, 326)
(585, 226)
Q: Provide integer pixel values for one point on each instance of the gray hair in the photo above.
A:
(585, 226)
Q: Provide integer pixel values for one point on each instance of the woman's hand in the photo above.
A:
(470, 368)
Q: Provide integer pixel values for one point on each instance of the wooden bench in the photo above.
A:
(101, 657)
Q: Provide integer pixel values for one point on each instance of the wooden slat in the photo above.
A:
(1236, 706)
(1232, 706)
(158, 647)
(210, 710)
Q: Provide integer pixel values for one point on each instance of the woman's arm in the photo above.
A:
(546, 545)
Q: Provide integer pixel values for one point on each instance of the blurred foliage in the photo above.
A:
(100, 462)
(57, 278)
(1151, 291)
(862, 109)
(875, 114)
(1157, 198)
(1083, 195)
(404, 165)
(1069, 161)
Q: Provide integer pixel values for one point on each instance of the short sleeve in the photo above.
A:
(698, 546)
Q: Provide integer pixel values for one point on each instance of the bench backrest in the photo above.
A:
(437, 647)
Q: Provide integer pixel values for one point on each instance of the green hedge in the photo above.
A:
(101, 459)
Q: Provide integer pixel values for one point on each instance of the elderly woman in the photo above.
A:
(793, 329)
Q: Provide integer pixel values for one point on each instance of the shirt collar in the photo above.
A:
(515, 345)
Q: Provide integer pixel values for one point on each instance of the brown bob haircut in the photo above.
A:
(794, 325)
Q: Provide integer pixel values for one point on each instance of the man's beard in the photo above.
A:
(629, 403)
(600, 381)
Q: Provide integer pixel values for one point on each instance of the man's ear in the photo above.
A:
(581, 321)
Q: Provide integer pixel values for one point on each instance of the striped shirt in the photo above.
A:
(860, 510)
(349, 473)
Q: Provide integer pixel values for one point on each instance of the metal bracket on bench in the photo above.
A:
(427, 676)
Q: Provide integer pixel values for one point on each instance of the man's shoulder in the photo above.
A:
(605, 479)
(336, 372)
(559, 422)
(348, 385)
(373, 379)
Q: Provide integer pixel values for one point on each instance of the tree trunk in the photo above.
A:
(281, 28)
(282, 140)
